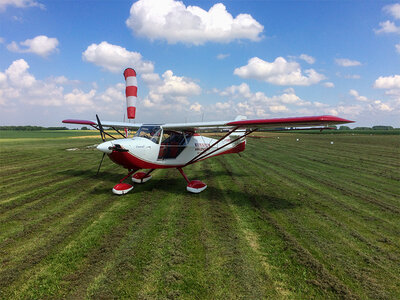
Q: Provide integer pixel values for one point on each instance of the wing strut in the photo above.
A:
(201, 153)
(201, 156)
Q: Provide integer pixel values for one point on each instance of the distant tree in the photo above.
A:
(84, 128)
(381, 127)
(344, 128)
(362, 128)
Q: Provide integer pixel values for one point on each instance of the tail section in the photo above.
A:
(130, 92)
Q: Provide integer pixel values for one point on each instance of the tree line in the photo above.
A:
(31, 128)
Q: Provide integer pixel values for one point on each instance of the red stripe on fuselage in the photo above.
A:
(129, 161)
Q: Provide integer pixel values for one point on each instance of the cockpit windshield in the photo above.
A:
(150, 132)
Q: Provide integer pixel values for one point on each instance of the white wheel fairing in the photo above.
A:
(122, 192)
(141, 180)
(122, 188)
(194, 190)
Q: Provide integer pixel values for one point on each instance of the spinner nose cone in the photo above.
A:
(104, 147)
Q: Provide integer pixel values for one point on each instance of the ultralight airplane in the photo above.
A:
(177, 145)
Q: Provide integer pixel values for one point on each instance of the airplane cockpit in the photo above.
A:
(171, 142)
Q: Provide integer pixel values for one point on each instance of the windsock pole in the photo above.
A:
(130, 92)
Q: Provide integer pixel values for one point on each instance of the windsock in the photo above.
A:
(130, 92)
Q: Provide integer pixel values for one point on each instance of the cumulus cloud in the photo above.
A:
(356, 96)
(19, 86)
(388, 82)
(329, 84)
(387, 27)
(393, 10)
(345, 62)
(20, 4)
(170, 93)
(307, 58)
(241, 100)
(397, 46)
(174, 22)
(279, 72)
(115, 58)
(40, 45)
(222, 56)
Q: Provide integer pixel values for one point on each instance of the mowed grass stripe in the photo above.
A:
(43, 213)
(376, 207)
(305, 273)
(139, 258)
(289, 161)
(44, 279)
(318, 147)
(347, 181)
(314, 148)
(334, 199)
(61, 232)
(372, 240)
(330, 165)
(55, 163)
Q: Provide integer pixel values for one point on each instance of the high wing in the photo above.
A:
(273, 124)
(104, 123)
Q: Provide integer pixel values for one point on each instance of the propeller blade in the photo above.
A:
(98, 170)
(103, 136)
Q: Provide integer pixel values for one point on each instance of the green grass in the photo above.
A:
(288, 219)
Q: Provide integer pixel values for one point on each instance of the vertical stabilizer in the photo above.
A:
(130, 92)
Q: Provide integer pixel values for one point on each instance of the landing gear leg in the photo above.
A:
(142, 177)
(123, 188)
(194, 186)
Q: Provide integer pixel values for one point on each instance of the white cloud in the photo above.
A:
(356, 96)
(115, 58)
(222, 56)
(279, 72)
(20, 4)
(114, 93)
(393, 10)
(387, 27)
(329, 84)
(18, 75)
(169, 94)
(1, 40)
(177, 86)
(174, 22)
(257, 104)
(80, 100)
(197, 107)
(397, 46)
(40, 45)
(345, 62)
(307, 58)
(388, 82)
(18, 86)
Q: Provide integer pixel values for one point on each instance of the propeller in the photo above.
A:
(103, 137)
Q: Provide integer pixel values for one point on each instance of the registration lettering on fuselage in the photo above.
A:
(201, 146)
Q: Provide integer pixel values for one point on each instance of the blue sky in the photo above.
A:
(199, 60)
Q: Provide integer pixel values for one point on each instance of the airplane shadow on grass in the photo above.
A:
(178, 186)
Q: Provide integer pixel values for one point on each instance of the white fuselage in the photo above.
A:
(146, 153)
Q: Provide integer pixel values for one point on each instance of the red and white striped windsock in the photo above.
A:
(130, 92)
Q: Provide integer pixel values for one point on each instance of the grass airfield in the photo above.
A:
(287, 220)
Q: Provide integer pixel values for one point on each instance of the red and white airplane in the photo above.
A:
(177, 145)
